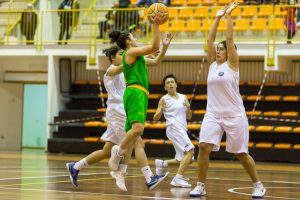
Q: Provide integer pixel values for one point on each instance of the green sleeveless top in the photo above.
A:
(136, 73)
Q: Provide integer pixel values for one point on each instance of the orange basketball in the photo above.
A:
(158, 9)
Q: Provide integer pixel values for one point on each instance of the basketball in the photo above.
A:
(158, 10)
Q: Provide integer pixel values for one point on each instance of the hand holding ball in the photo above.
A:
(158, 13)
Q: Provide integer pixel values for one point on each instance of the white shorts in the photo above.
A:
(236, 128)
(115, 131)
(181, 141)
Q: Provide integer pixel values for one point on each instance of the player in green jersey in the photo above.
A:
(136, 95)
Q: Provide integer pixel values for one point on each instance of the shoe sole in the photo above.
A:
(198, 195)
(71, 178)
(153, 186)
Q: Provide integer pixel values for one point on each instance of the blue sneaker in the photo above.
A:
(155, 180)
(73, 173)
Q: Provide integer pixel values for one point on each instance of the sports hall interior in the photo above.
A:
(52, 98)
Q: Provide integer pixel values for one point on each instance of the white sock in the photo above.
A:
(257, 184)
(200, 183)
(121, 152)
(81, 164)
(123, 168)
(165, 163)
(147, 173)
(179, 176)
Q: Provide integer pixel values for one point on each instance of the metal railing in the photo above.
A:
(80, 26)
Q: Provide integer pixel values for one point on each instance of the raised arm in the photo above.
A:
(115, 70)
(160, 109)
(233, 58)
(134, 52)
(211, 49)
(166, 42)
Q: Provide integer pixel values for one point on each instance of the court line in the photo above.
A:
(134, 175)
(232, 190)
(89, 193)
(56, 176)
(64, 181)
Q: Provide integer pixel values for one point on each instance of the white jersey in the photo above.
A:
(223, 96)
(115, 87)
(115, 113)
(175, 111)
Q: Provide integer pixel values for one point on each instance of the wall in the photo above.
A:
(22, 63)
(34, 116)
(11, 103)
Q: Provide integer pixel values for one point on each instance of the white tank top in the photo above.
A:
(115, 87)
(223, 96)
(175, 111)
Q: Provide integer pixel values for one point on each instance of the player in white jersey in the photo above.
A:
(225, 110)
(176, 110)
(115, 117)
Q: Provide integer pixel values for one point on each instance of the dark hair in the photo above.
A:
(224, 44)
(119, 37)
(111, 52)
(169, 76)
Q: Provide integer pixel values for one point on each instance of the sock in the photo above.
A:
(257, 184)
(123, 168)
(121, 152)
(80, 164)
(165, 163)
(200, 183)
(179, 176)
(147, 173)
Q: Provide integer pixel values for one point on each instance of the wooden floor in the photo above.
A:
(35, 175)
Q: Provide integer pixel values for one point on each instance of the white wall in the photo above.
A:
(22, 63)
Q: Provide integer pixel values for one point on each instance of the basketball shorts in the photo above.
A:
(135, 105)
(181, 141)
(115, 118)
(236, 128)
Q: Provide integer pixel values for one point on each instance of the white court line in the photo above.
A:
(89, 193)
(231, 179)
(35, 177)
(232, 190)
(87, 174)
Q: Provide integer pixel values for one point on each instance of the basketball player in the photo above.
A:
(136, 93)
(225, 110)
(115, 117)
(176, 110)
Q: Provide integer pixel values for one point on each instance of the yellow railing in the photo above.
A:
(189, 24)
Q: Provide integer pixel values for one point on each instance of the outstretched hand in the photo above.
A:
(231, 7)
(167, 39)
(220, 13)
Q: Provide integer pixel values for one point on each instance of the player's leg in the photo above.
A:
(74, 167)
(151, 180)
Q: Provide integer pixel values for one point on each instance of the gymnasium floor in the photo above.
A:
(33, 174)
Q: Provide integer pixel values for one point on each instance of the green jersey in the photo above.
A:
(136, 73)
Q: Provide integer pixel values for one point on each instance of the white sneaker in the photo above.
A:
(258, 191)
(159, 169)
(198, 191)
(120, 179)
(298, 24)
(115, 159)
(180, 182)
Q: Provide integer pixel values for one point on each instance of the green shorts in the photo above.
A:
(135, 105)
